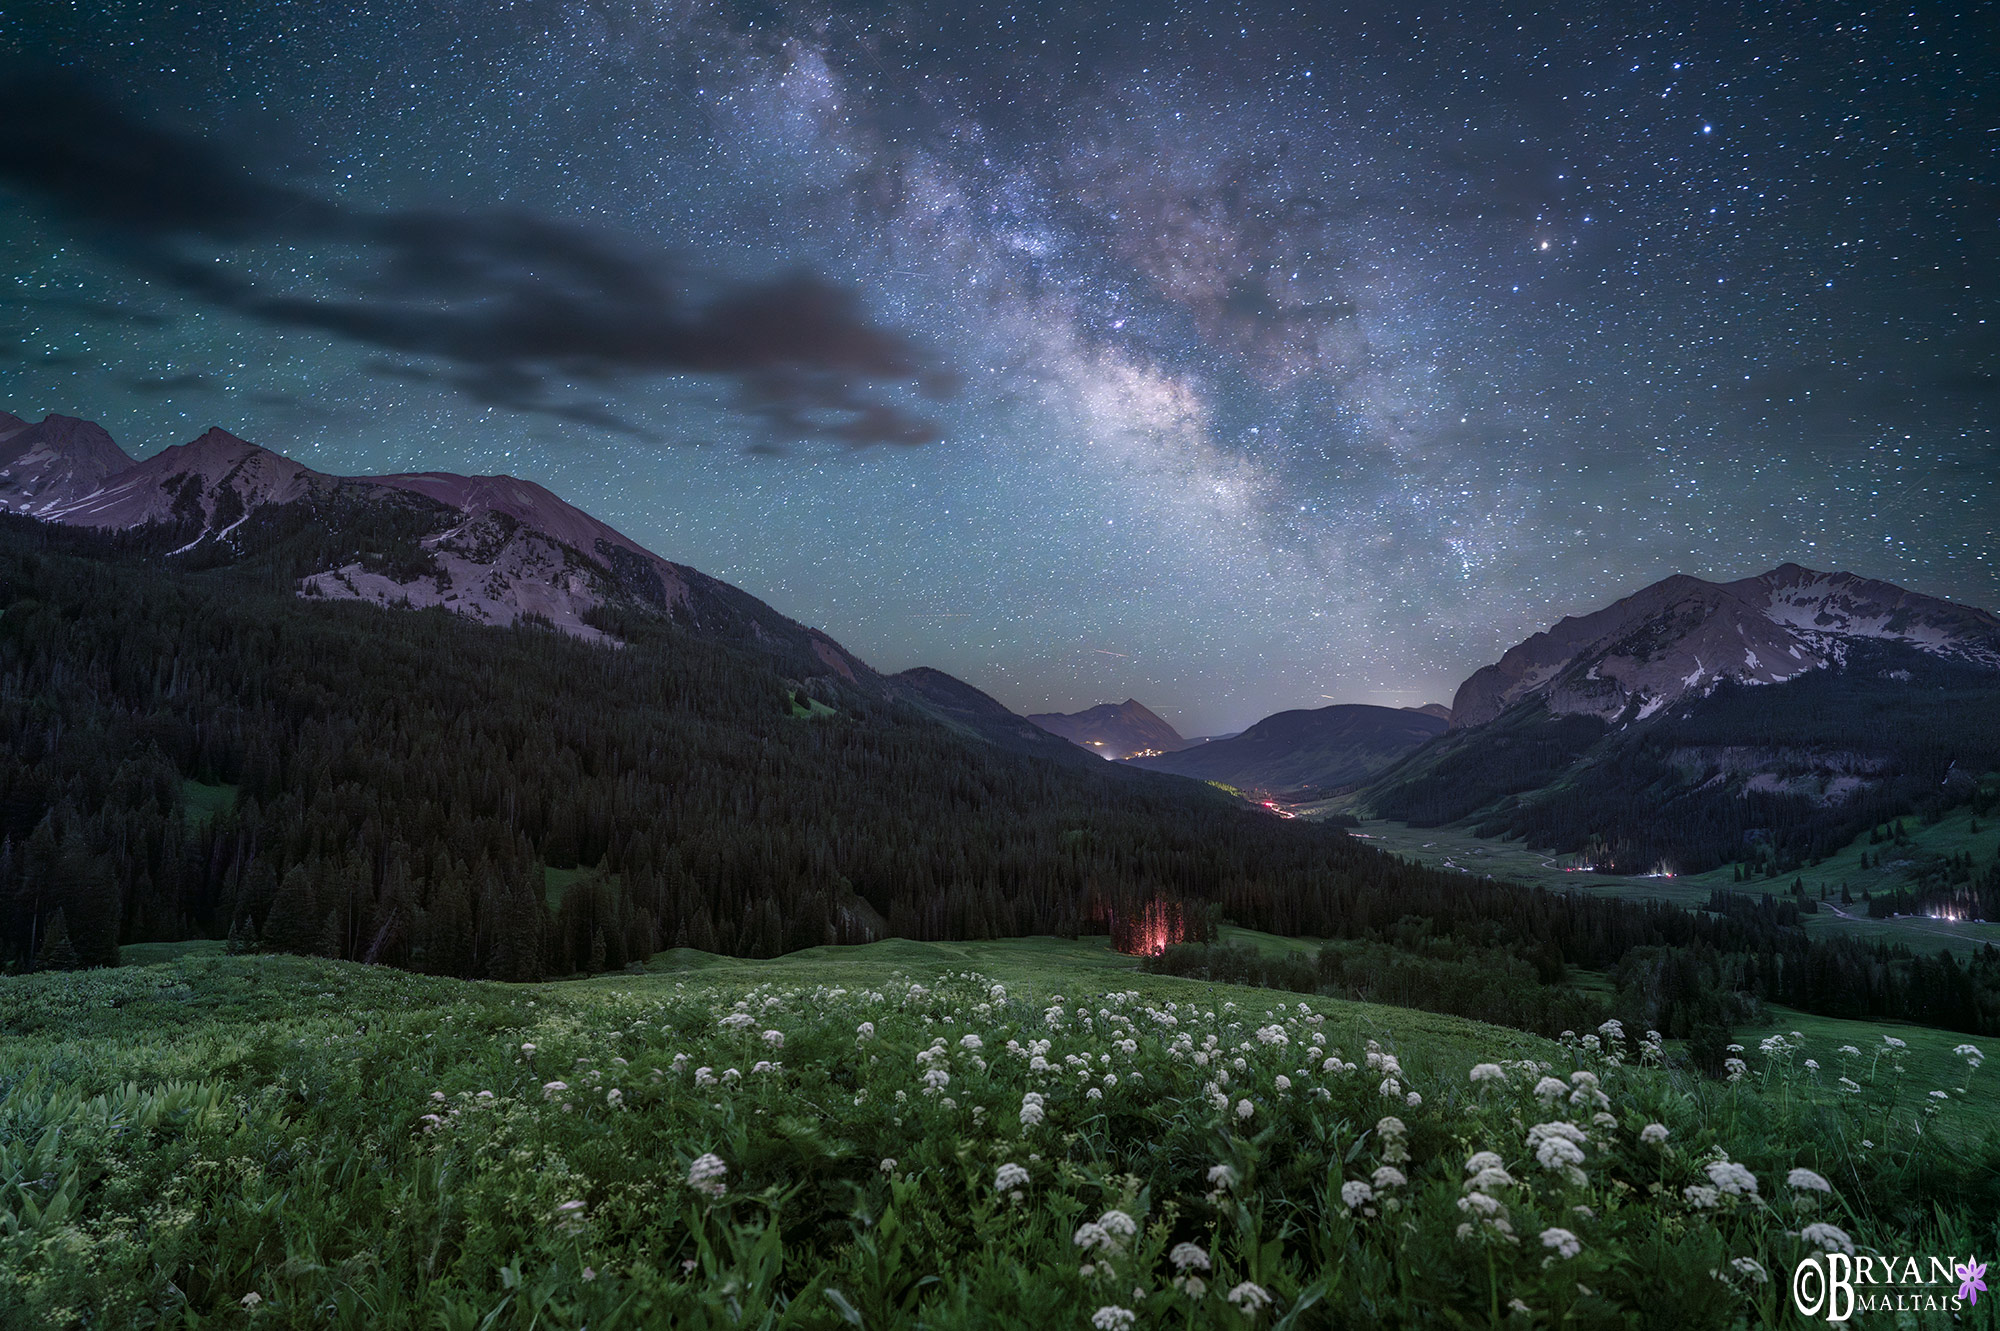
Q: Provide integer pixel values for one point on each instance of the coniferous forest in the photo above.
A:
(201, 754)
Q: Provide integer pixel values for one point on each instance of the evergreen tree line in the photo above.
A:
(197, 754)
(1489, 984)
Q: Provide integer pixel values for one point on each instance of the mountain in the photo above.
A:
(1436, 709)
(47, 465)
(1684, 636)
(1305, 753)
(1114, 730)
(1765, 721)
(496, 549)
(964, 707)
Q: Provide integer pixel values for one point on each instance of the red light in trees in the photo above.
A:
(1151, 929)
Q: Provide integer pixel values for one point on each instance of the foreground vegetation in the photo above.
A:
(1020, 1133)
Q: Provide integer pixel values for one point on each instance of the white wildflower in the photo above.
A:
(1565, 1243)
(705, 1175)
(1249, 1298)
(1118, 1224)
(1732, 1178)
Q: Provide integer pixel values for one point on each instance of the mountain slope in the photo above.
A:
(494, 548)
(962, 706)
(1302, 753)
(1694, 724)
(1683, 635)
(1113, 730)
(47, 465)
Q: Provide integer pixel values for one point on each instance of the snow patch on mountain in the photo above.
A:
(1641, 654)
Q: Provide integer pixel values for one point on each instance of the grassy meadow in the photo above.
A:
(1026, 1133)
(1455, 847)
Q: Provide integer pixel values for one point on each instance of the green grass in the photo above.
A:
(808, 708)
(1928, 1060)
(152, 954)
(1951, 835)
(557, 882)
(1455, 847)
(362, 1147)
(205, 802)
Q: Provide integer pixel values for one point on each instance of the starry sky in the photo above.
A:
(1233, 357)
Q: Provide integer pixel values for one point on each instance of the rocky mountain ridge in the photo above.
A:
(495, 548)
(1683, 636)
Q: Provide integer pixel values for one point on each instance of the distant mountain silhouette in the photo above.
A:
(1113, 730)
(1306, 753)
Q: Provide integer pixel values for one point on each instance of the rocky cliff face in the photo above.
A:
(1683, 636)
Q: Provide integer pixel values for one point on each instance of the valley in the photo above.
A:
(1456, 848)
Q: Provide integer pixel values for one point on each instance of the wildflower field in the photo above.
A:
(1018, 1134)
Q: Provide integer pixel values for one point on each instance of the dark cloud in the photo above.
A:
(509, 303)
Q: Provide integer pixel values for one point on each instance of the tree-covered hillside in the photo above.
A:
(1775, 776)
(187, 754)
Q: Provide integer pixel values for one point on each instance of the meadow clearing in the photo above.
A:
(1958, 832)
(1026, 1133)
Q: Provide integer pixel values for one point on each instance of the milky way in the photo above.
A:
(1243, 359)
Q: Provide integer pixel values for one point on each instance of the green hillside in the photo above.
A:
(847, 1136)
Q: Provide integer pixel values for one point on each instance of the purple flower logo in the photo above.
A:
(1974, 1276)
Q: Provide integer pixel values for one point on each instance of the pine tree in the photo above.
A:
(57, 953)
(294, 922)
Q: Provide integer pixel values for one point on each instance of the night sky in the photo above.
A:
(1242, 359)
